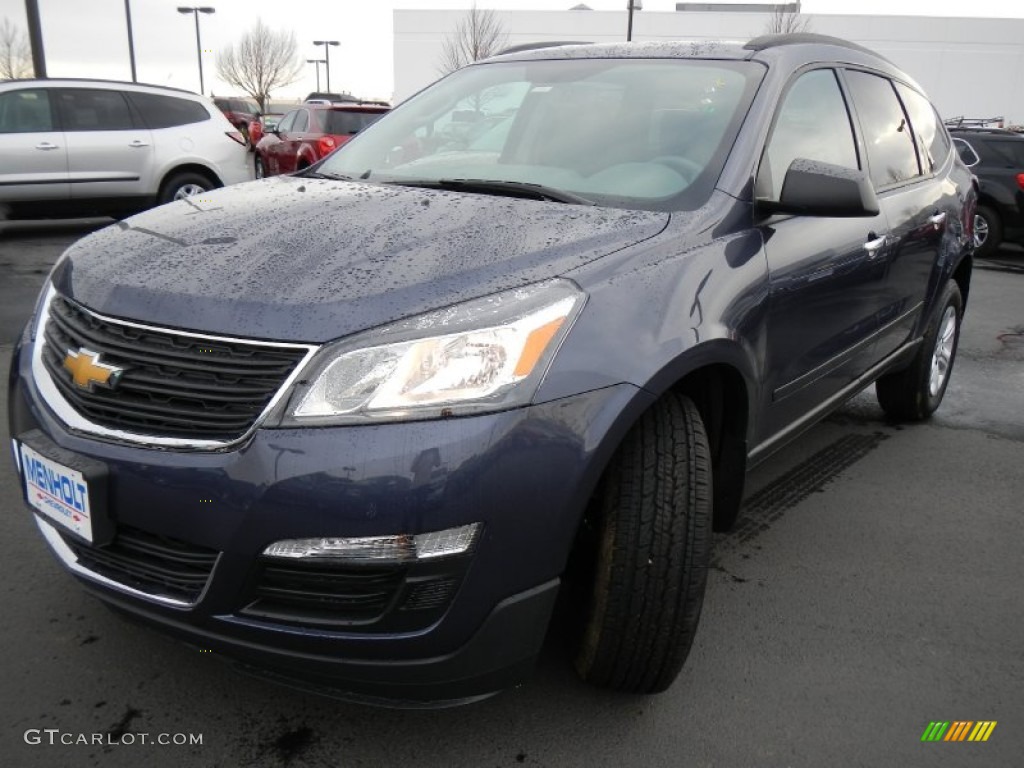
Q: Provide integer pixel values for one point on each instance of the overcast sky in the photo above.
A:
(87, 38)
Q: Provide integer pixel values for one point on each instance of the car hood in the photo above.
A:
(299, 259)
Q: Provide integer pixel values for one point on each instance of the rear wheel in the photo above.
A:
(988, 231)
(652, 520)
(182, 185)
(259, 171)
(914, 393)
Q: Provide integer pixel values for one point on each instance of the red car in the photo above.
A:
(240, 113)
(309, 133)
(262, 125)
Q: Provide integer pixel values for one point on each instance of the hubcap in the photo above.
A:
(942, 357)
(188, 190)
(980, 231)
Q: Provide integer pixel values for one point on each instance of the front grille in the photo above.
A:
(156, 565)
(173, 384)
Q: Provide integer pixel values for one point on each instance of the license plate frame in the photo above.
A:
(66, 489)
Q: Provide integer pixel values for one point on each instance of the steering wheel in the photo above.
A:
(688, 169)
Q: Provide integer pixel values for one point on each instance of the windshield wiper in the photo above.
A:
(498, 187)
(322, 175)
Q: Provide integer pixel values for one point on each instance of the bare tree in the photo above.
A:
(478, 35)
(262, 60)
(15, 53)
(786, 22)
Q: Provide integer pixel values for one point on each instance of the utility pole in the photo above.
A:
(35, 37)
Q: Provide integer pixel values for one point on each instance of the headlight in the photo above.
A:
(486, 354)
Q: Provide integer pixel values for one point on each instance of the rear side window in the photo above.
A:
(812, 123)
(301, 124)
(932, 142)
(340, 122)
(25, 111)
(167, 111)
(890, 144)
(1008, 153)
(86, 109)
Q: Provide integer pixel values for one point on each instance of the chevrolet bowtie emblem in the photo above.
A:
(87, 370)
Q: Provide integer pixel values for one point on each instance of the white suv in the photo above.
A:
(105, 147)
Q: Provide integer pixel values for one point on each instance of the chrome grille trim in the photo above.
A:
(70, 561)
(76, 422)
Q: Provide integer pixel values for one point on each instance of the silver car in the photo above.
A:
(106, 147)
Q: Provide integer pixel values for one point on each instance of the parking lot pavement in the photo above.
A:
(872, 586)
(27, 251)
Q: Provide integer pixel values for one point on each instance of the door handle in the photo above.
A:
(937, 220)
(874, 246)
(45, 145)
(138, 143)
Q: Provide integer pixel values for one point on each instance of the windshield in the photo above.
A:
(634, 133)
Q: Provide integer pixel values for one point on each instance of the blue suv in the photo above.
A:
(520, 340)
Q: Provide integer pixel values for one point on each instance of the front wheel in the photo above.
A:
(652, 520)
(914, 393)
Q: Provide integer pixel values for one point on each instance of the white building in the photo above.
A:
(971, 67)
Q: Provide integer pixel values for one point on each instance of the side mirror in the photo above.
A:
(813, 188)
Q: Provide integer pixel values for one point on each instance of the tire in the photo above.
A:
(259, 170)
(914, 393)
(182, 185)
(988, 231)
(652, 517)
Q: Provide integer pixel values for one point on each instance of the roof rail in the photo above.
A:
(765, 42)
(101, 80)
(975, 122)
(539, 46)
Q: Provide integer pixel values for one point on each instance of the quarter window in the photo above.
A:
(26, 111)
(813, 123)
(84, 109)
(887, 135)
(966, 152)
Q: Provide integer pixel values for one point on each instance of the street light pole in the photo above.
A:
(632, 5)
(195, 11)
(35, 36)
(327, 58)
(318, 62)
(131, 40)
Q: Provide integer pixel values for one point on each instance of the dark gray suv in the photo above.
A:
(996, 156)
(518, 340)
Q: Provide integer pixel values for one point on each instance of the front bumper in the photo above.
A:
(525, 475)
